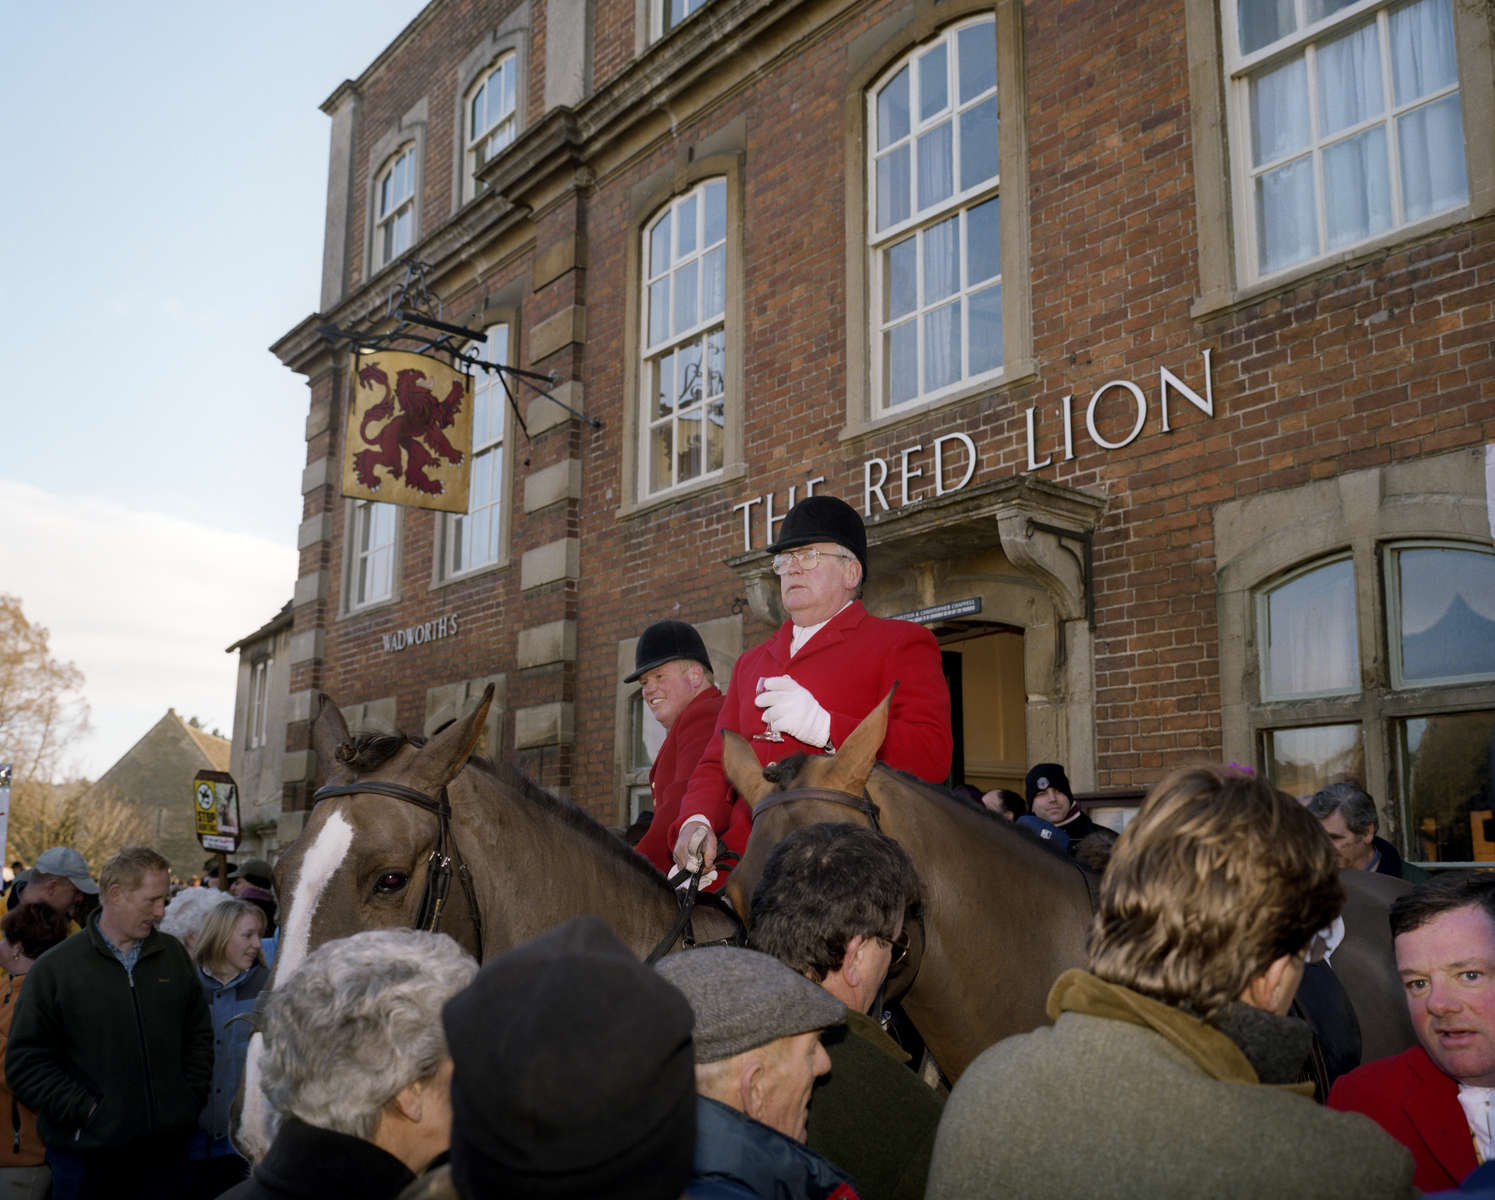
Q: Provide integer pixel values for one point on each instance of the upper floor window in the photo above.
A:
(490, 119)
(394, 207)
(1346, 123)
(664, 15)
(934, 227)
(259, 703)
(475, 539)
(371, 563)
(684, 338)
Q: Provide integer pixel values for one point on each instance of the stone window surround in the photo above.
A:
(713, 156)
(510, 36)
(870, 59)
(411, 128)
(350, 561)
(1222, 285)
(1262, 540)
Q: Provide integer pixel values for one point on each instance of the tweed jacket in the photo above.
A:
(677, 758)
(848, 666)
(1417, 1104)
(1126, 1097)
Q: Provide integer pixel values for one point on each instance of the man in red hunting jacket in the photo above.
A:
(810, 685)
(672, 663)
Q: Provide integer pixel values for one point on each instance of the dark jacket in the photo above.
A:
(231, 1005)
(306, 1162)
(737, 1156)
(871, 1115)
(106, 1058)
(1390, 862)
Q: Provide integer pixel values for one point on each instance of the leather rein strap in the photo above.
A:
(862, 804)
(444, 854)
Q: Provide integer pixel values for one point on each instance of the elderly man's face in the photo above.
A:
(811, 597)
(1050, 805)
(1448, 969)
(1354, 849)
(669, 688)
(790, 1075)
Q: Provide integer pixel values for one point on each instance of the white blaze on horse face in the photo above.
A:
(318, 865)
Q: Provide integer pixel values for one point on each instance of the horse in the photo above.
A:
(405, 835)
(1003, 914)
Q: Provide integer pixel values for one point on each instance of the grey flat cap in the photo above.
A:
(743, 999)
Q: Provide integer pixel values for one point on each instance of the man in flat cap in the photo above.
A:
(672, 664)
(810, 685)
(60, 879)
(758, 1053)
(572, 1074)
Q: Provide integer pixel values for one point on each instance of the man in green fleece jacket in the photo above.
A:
(831, 904)
(112, 1043)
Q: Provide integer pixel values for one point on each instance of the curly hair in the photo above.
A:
(359, 1021)
(1217, 877)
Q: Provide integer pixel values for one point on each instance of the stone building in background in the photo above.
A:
(258, 756)
(1153, 340)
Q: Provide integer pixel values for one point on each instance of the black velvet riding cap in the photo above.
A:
(823, 519)
(665, 641)
(573, 1073)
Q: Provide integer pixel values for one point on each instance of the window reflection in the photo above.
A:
(1446, 764)
(1447, 601)
(1300, 761)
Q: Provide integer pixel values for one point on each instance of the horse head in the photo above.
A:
(804, 789)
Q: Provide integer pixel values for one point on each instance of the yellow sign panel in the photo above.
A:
(409, 432)
(215, 804)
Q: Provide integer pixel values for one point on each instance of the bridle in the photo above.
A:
(863, 804)
(444, 854)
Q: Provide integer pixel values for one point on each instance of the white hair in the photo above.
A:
(358, 1022)
(187, 911)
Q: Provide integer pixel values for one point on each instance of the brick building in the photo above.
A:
(1153, 340)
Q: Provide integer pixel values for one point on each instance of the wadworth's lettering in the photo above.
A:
(418, 635)
(949, 463)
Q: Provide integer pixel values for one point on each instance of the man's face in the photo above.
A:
(790, 1073)
(811, 597)
(1050, 805)
(669, 688)
(1448, 969)
(133, 912)
(59, 893)
(1354, 849)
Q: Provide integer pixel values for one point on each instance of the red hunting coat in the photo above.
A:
(677, 758)
(1417, 1104)
(849, 666)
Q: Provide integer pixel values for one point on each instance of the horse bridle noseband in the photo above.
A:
(863, 804)
(444, 854)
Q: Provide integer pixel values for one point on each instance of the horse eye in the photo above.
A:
(390, 882)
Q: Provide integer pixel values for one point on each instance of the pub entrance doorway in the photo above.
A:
(983, 663)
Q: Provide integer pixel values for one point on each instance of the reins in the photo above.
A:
(682, 931)
(444, 853)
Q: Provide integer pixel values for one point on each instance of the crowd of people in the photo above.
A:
(1177, 1062)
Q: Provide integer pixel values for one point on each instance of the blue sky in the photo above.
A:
(165, 201)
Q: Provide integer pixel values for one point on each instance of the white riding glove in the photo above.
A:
(788, 707)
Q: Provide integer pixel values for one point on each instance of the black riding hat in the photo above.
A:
(823, 519)
(665, 641)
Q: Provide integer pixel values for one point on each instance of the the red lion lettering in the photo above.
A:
(421, 417)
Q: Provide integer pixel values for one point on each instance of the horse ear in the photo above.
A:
(329, 732)
(443, 756)
(742, 768)
(854, 761)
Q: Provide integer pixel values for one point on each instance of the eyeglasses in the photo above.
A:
(897, 948)
(807, 559)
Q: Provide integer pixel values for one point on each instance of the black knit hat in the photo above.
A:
(1044, 776)
(573, 1073)
(823, 519)
(665, 641)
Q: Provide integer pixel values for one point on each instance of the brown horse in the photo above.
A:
(365, 859)
(1003, 914)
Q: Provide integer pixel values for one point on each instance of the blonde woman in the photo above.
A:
(232, 973)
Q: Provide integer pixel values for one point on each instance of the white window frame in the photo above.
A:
(488, 446)
(958, 204)
(259, 703)
(673, 341)
(381, 556)
(482, 146)
(1239, 69)
(391, 209)
(666, 15)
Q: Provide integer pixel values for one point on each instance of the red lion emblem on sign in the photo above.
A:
(421, 417)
